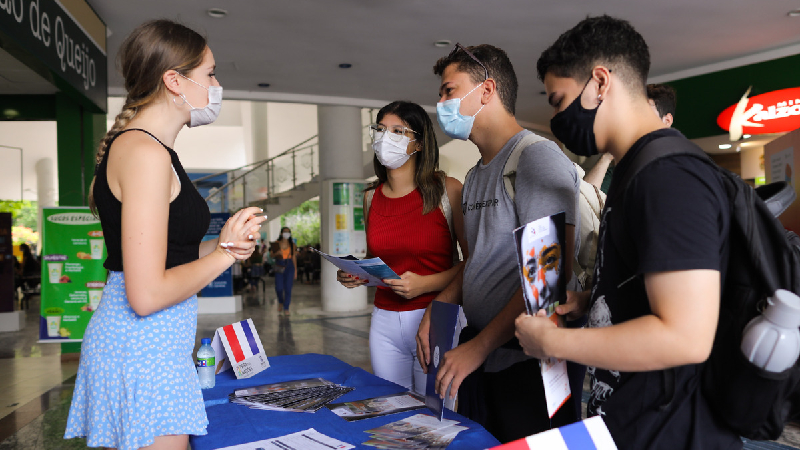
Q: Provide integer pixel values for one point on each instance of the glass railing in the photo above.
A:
(263, 182)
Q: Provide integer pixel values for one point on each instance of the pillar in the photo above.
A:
(45, 187)
(340, 154)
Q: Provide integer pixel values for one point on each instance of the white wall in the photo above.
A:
(38, 140)
(457, 157)
(289, 124)
(752, 162)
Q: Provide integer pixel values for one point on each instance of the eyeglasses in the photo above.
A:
(396, 133)
(469, 53)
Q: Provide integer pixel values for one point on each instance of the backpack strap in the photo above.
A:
(368, 201)
(447, 211)
(510, 168)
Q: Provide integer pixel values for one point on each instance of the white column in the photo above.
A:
(45, 188)
(339, 157)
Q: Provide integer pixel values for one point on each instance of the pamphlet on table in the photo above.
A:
(373, 269)
(540, 255)
(377, 406)
(416, 432)
(440, 338)
(309, 439)
(308, 395)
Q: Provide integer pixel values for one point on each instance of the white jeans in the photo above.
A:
(393, 347)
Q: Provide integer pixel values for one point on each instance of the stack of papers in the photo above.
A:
(309, 439)
(377, 406)
(308, 395)
(416, 432)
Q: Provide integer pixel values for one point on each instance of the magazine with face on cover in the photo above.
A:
(541, 246)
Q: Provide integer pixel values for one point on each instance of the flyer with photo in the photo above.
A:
(377, 406)
(541, 246)
(540, 255)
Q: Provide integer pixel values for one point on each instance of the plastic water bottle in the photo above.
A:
(771, 341)
(206, 364)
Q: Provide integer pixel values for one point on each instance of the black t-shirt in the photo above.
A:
(674, 216)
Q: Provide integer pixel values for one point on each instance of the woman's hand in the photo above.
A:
(349, 281)
(239, 235)
(409, 285)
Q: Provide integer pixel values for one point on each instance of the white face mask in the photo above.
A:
(207, 115)
(286, 235)
(392, 154)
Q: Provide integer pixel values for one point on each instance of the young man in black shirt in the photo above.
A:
(661, 257)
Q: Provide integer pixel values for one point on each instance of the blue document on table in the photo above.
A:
(440, 338)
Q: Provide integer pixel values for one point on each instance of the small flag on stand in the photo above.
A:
(237, 345)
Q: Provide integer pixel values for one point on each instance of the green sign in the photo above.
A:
(45, 30)
(73, 275)
(341, 194)
(358, 219)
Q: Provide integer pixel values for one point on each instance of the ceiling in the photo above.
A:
(296, 46)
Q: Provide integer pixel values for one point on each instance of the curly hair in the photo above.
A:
(599, 40)
(497, 64)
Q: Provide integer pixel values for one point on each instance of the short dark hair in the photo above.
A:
(598, 40)
(497, 64)
(663, 95)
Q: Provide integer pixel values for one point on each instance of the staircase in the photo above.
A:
(280, 183)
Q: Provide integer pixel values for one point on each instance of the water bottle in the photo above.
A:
(206, 364)
(771, 341)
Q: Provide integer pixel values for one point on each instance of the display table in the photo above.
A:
(232, 424)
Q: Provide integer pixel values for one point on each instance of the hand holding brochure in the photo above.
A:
(372, 269)
(540, 255)
(440, 339)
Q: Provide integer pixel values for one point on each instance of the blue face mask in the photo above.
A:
(452, 122)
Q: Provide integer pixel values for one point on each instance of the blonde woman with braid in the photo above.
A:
(137, 386)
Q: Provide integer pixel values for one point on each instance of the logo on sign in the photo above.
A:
(772, 112)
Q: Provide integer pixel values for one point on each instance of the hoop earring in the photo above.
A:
(182, 98)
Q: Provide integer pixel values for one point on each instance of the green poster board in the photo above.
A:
(341, 194)
(73, 275)
(358, 219)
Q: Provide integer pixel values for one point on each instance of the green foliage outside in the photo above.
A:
(304, 222)
(25, 214)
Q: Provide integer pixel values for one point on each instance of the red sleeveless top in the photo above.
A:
(407, 240)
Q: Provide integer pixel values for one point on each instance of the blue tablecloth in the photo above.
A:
(231, 424)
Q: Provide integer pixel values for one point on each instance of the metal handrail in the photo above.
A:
(270, 171)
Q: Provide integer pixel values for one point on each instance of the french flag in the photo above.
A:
(243, 340)
(589, 434)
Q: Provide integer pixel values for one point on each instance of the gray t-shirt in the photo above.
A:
(546, 184)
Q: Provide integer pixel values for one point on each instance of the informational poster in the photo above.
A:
(73, 276)
(222, 286)
(347, 224)
(781, 165)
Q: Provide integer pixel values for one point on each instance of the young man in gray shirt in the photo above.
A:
(503, 389)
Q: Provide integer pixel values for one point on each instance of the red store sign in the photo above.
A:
(772, 112)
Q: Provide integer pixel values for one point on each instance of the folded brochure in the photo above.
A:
(440, 339)
(540, 255)
(308, 395)
(377, 406)
(373, 269)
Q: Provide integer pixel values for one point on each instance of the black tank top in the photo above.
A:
(188, 215)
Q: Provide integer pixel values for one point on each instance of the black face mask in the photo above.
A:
(574, 127)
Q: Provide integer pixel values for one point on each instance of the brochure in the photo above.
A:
(443, 326)
(435, 439)
(540, 247)
(377, 406)
(410, 426)
(309, 439)
(308, 395)
(540, 254)
(372, 269)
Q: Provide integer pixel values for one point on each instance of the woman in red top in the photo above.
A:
(408, 227)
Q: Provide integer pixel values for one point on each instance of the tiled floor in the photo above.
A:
(36, 386)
